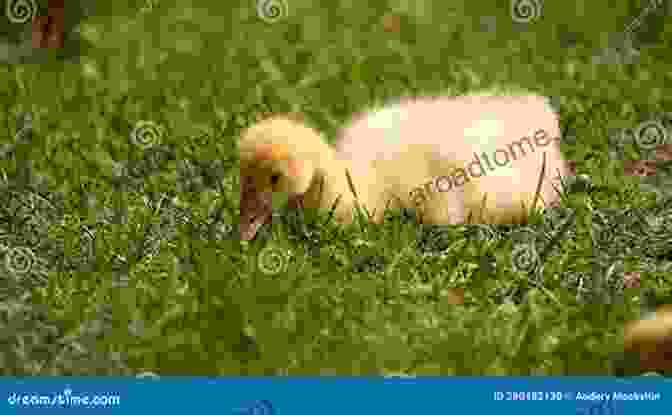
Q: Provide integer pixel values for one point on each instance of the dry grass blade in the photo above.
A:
(537, 194)
(640, 168)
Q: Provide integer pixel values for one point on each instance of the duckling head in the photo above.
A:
(274, 160)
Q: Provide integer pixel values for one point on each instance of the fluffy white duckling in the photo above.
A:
(471, 158)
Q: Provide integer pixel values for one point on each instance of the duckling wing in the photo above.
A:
(410, 142)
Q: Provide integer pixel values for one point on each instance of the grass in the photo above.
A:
(118, 242)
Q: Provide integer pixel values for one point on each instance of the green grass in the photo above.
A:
(97, 281)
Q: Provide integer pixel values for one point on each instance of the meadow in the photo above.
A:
(120, 188)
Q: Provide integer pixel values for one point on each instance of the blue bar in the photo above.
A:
(338, 395)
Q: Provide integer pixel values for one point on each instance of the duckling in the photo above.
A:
(391, 152)
(650, 340)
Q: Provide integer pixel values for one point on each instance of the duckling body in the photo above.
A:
(475, 157)
(489, 138)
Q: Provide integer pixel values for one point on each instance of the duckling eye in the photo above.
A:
(275, 178)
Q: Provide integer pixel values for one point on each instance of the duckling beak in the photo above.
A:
(255, 210)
